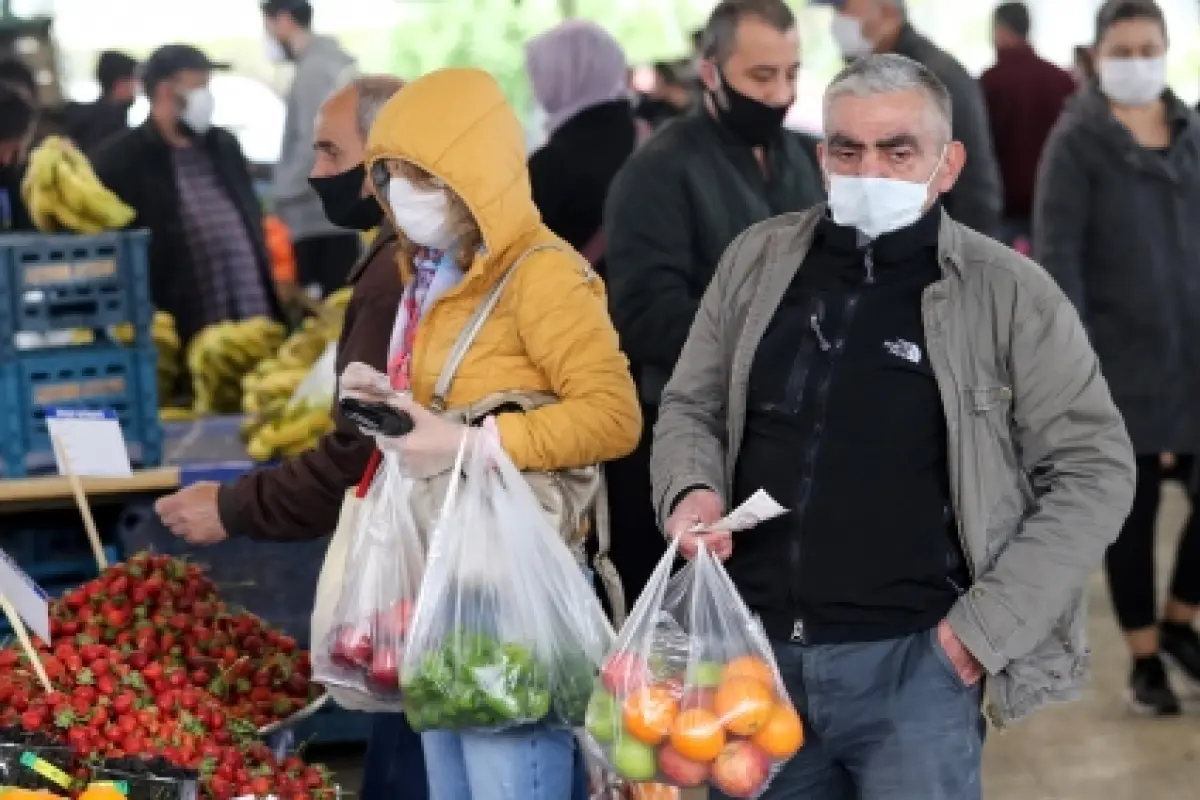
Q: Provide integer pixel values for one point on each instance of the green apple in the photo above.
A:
(601, 718)
(707, 674)
(634, 761)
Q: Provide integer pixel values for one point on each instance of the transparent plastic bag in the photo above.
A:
(319, 386)
(372, 620)
(508, 631)
(691, 694)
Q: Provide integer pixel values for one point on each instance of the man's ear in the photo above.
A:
(952, 166)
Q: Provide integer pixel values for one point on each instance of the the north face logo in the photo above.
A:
(903, 349)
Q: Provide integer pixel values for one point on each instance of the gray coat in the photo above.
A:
(1041, 469)
(1118, 226)
(321, 69)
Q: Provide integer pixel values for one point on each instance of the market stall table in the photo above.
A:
(208, 449)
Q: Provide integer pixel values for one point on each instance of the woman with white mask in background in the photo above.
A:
(1116, 205)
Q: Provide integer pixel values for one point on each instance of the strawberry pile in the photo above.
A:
(148, 662)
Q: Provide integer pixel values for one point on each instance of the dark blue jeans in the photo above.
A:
(395, 765)
(884, 721)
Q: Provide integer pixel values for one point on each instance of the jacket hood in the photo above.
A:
(326, 48)
(1088, 110)
(456, 125)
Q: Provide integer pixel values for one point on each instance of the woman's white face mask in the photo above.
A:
(422, 214)
(1133, 81)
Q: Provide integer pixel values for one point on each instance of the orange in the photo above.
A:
(649, 713)
(749, 667)
(744, 705)
(697, 735)
(783, 734)
(653, 791)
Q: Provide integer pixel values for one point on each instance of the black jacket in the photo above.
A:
(571, 173)
(977, 199)
(673, 209)
(1115, 223)
(14, 216)
(91, 125)
(137, 166)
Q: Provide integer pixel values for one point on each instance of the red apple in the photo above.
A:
(699, 697)
(352, 647)
(384, 674)
(680, 771)
(672, 684)
(741, 770)
(624, 673)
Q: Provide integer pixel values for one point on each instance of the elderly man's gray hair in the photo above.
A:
(371, 94)
(888, 73)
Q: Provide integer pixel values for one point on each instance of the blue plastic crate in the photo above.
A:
(52, 282)
(100, 376)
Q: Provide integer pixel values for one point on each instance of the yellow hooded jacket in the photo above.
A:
(550, 331)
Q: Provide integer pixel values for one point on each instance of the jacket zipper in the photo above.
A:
(833, 349)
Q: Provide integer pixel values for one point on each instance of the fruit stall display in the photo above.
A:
(151, 672)
(709, 723)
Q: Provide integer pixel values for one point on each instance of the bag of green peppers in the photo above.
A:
(507, 631)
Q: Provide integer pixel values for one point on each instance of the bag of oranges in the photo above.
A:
(359, 659)
(691, 694)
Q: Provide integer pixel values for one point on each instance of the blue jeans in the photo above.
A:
(884, 720)
(395, 765)
(526, 764)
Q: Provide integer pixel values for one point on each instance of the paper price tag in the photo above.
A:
(91, 441)
(760, 508)
(26, 597)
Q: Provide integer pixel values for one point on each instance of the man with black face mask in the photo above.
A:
(678, 203)
(190, 185)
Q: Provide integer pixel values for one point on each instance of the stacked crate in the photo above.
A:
(51, 288)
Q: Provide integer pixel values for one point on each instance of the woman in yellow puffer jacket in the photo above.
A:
(447, 158)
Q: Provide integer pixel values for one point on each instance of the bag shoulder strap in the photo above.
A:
(462, 345)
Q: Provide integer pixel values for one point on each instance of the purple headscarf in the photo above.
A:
(573, 66)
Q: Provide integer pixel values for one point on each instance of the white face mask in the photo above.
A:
(1133, 81)
(197, 111)
(848, 34)
(273, 49)
(877, 206)
(423, 214)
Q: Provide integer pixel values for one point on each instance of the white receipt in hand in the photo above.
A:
(760, 508)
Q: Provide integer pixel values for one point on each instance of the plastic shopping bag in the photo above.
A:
(383, 568)
(691, 694)
(319, 386)
(507, 631)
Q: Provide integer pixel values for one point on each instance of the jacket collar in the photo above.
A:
(385, 237)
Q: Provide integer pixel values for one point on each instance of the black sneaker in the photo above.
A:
(1180, 644)
(1150, 692)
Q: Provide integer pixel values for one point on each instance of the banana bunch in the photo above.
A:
(267, 389)
(63, 193)
(170, 351)
(221, 355)
(294, 432)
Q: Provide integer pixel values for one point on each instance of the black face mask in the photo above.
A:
(341, 197)
(753, 122)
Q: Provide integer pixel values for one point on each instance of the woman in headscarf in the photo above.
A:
(579, 77)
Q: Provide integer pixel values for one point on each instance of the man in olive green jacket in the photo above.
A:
(925, 404)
